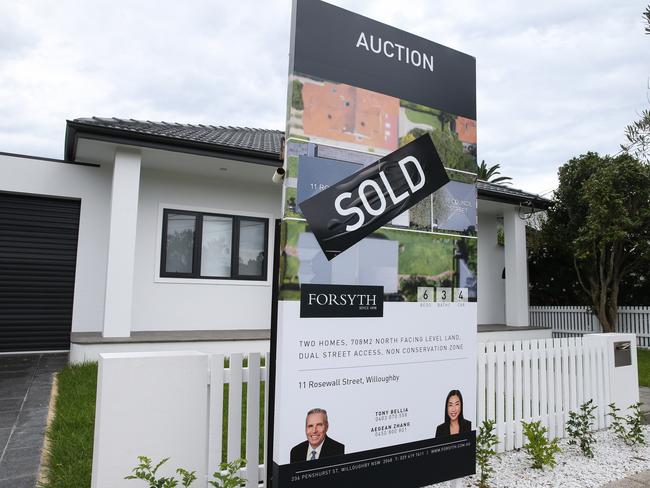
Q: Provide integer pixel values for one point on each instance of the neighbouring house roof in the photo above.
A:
(502, 193)
(261, 146)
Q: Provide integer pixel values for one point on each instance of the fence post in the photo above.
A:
(619, 384)
(150, 404)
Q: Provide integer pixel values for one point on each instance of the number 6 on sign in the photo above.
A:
(443, 294)
(425, 294)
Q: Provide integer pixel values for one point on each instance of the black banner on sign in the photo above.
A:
(341, 301)
(414, 464)
(348, 211)
(337, 45)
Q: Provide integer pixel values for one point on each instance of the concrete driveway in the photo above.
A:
(25, 386)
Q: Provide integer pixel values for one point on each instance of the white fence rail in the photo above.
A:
(245, 384)
(218, 402)
(539, 380)
(577, 321)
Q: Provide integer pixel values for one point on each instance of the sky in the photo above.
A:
(555, 79)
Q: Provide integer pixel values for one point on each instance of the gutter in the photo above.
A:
(496, 196)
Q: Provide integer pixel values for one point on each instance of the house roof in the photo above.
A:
(254, 145)
(261, 146)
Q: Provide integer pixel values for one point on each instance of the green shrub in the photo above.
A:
(485, 442)
(628, 428)
(541, 451)
(226, 477)
(145, 471)
(579, 428)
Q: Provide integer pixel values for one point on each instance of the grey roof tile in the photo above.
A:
(261, 141)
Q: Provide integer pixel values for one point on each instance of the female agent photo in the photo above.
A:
(455, 423)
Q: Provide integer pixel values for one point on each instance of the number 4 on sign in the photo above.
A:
(460, 294)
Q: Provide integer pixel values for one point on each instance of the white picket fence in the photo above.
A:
(577, 321)
(520, 380)
(252, 378)
(539, 380)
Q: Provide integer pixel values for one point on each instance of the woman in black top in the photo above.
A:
(455, 423)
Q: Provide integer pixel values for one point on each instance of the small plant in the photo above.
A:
(634, 422)
(227, 476)
(618, 425)
(147, 472)
(485, 442)
(187, 477)
(579, 428)
(541, 451)
(628, 428)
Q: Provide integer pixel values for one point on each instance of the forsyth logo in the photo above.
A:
(358, 205)
(341, 301)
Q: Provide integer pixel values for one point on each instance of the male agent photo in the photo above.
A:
(318, 445)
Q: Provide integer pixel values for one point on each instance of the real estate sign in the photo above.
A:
(374, 357)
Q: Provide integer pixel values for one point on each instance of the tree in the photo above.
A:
(601, 216)
(638, 132)
(486, 173)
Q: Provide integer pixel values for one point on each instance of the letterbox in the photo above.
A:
(622, 354)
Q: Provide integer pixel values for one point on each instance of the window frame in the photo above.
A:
(197, 247)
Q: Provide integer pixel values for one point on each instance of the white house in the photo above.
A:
(83, 260)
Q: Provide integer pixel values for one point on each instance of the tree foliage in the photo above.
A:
(637, 134)
(601, 218)
(489, 173)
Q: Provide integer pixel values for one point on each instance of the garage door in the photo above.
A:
(38, 251)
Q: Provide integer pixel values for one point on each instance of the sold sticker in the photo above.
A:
(358, 205)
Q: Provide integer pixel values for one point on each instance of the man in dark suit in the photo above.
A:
(317, 445)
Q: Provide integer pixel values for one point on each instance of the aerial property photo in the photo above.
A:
(222, 266)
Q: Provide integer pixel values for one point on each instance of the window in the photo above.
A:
(213, 246)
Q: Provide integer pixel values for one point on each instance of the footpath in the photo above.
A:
(25, 385)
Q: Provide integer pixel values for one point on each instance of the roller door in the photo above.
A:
(38, 252)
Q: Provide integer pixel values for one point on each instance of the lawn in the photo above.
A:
(422, 253)
(643, 359)
(423, 118)
(72, 431)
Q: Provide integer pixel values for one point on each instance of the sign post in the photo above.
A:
(374, 341)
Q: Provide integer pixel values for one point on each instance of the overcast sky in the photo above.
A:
(555, 79)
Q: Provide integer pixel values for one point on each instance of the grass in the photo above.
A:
(423, 118)
(72, 430)
(422, 254)
(643, 361)
(71, 433)
(292, 166)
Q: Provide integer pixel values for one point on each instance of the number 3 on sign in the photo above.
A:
(443, 294)
(425, 294)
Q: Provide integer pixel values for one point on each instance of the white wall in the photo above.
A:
(80, 353)
(491, 287)
(92, 186)
(150, 404)
(173, 304)
(516, 259)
